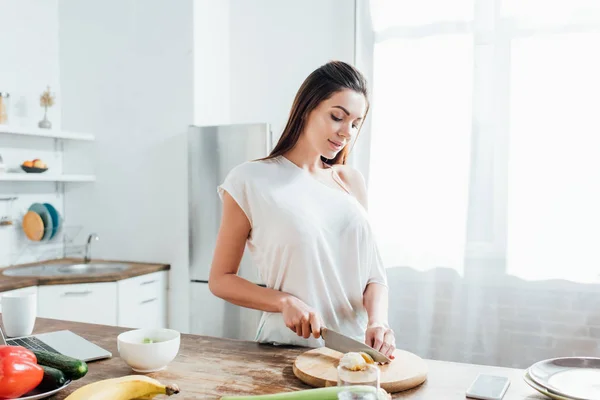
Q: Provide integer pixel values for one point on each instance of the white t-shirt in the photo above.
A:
(309, 240)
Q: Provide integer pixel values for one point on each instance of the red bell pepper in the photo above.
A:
(19, 371)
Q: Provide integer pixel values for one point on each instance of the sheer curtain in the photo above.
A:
(499, 99)
(421, 131)
(554, 159)
(420, 149)
(484, 176)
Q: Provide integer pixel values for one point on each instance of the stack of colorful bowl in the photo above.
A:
(41, 222)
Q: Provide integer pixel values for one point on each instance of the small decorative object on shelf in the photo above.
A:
(46, 100)
(4, 107)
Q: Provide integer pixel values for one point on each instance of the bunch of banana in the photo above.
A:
(125, 388)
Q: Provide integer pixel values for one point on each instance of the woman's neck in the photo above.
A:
(304, 157)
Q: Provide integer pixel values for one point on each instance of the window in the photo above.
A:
(554, 159)
(388, 14)
(419, 168)
(486, 135)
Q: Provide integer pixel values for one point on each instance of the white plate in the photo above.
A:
(572, 377)
(541, 389)
(35, 394)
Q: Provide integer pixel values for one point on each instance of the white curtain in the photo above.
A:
(421, 132)
(420, 149)
(554, 158)
(484, 176)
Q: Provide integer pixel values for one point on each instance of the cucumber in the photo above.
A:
(53, 378)
(71, 367)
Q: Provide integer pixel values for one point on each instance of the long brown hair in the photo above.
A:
(320, 85)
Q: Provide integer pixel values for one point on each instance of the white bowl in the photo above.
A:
(148, 357)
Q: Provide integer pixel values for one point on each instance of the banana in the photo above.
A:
(125, 388)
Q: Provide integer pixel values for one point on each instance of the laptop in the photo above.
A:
(62, 342)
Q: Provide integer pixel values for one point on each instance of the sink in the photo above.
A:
(67, 269)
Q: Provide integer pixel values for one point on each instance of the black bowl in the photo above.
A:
(33, 170)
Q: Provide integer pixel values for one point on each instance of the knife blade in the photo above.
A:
(344, 344)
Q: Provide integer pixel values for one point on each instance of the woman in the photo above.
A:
(302, 213)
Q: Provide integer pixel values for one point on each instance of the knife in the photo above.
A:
(344, 344)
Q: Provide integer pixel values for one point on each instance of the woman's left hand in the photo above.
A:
(381, 338)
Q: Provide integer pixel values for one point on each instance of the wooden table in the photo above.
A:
(208, 368)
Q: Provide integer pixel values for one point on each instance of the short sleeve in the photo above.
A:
(238, 189)
(377, 272)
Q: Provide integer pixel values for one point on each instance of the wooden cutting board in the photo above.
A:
(33, 226)
(318, 368)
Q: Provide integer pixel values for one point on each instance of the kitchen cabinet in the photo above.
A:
(143, 301)
(94, 303)
(28, 289)
(138, 302)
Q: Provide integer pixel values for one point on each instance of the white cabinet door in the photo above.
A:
(143, 301)
(82, 302)
(28, 289)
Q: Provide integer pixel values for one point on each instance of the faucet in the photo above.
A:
(88, 246)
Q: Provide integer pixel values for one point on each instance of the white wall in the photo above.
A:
(29, 47)
(127, 77)
(212, 84)
(364, 46)
(275, 45)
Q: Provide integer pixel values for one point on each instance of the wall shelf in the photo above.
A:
(47, 133)
(18, 177)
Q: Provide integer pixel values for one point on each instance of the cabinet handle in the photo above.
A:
(82, 293)
(148, 301)
(148, 282)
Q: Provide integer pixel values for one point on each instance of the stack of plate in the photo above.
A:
(569, 378)
(41, 222)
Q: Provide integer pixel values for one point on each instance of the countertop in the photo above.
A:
(208, 368)
(17, 282)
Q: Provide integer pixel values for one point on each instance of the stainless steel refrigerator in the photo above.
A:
(212, 152)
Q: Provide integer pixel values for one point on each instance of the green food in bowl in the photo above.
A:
(148, 340)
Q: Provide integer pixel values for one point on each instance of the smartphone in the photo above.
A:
(488, 387)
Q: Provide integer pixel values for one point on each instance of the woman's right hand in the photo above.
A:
(301, 318)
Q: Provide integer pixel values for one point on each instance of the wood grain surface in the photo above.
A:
(318, 368)
(208, 368)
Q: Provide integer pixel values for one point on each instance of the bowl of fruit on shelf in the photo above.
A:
(34, 166)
